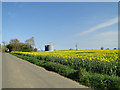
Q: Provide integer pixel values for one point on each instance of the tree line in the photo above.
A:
(16, 45)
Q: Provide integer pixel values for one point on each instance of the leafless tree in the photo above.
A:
(30, 42)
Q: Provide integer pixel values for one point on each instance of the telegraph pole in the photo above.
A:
(76, 45)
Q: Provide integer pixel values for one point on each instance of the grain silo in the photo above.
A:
(49, 47)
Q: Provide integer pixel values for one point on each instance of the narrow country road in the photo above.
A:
(17, 73)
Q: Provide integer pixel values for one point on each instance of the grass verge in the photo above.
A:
(93, 80)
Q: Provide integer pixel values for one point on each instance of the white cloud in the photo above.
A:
(107, 34)
(100, 26)
(106, 39)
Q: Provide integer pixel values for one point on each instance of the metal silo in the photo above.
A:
(49, 47)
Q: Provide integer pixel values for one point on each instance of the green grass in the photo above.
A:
(93, 80)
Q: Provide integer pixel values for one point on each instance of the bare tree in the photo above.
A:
(27, 42)
(30, 42)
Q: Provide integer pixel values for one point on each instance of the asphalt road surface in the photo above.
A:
(17, 73)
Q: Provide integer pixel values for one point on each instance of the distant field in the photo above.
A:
(101, 62)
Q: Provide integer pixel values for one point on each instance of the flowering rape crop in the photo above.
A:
(96, 61)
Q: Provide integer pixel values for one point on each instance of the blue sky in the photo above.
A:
(91, 25)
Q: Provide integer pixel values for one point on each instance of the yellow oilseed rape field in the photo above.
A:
(99, 61)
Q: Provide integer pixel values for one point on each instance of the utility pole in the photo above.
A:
(76, 46)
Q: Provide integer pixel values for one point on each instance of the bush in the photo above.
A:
(35, 50)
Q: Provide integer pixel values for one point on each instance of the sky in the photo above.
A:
(89, 24)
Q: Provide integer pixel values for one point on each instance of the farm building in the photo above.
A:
(49, 47)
